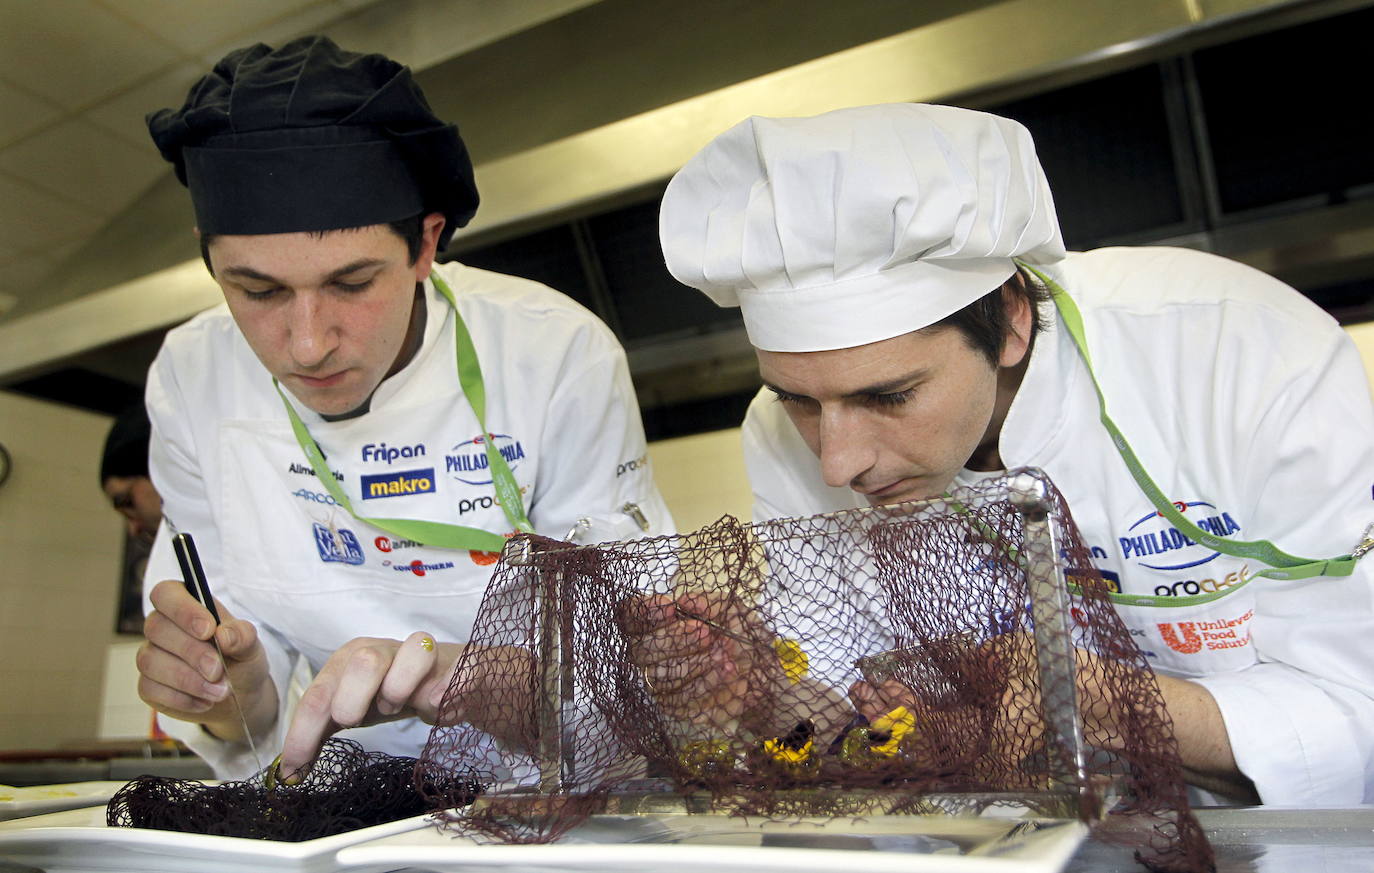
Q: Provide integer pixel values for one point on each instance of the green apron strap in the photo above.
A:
(1285, 566)
(433, 533)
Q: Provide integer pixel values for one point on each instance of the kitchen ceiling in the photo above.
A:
(571, 108)
(77, 77)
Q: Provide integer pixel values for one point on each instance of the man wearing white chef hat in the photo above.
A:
(901, 274)
(353, 436)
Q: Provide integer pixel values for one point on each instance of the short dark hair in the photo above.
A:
(126, 445)
(984, 322)
(411, 230)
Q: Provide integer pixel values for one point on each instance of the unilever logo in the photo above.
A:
(1191, 637)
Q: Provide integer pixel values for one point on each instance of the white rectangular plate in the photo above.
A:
(39, 799)
(719, 844)
(78, 841)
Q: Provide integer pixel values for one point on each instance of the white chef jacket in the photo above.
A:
(281, 553)
(1246, 403)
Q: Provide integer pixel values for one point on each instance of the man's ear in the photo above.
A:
(431, 226)
(1020, 321)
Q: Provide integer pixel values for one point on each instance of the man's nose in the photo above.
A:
(846, 451)
(313, 335)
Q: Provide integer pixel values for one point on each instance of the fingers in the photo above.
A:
(366, 681)
(699, 652)
(238, 639)
(706, 681)
(171, 600)
(875, 701)
(183, 661)
(169, 684)
(413, 664)
(495, 692)
(333, 701)
(641, 615)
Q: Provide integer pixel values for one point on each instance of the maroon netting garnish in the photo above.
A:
(993, 668)
(955, 608)
(348, 788)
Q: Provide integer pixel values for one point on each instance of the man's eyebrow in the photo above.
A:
(901, 383)
(887, 387)
(783, 392)
(250, 273)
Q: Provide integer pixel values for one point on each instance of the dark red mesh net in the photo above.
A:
(921, 659)
(348, 788)
(915, 659)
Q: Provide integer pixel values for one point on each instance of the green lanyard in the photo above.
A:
(434, 533)
(1285, 566)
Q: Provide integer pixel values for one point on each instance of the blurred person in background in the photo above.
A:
(124, 474)
(124, 479)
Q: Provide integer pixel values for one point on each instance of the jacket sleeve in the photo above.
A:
(1301, 721)
(178, 465)
(595, 460)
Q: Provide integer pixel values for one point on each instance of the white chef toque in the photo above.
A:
(857, 225)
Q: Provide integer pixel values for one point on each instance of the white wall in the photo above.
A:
(702, 478)
(1363, 335)
(60, 551)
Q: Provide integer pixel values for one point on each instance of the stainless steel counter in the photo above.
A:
(51, 771)
(1245, 840)
(1263, 840)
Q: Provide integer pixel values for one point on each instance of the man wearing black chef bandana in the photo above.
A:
(352, 437)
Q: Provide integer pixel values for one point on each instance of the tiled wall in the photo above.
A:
(60, 550)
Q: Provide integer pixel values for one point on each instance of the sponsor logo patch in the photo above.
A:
(307, 470)
(398, 484)
(1191, 637)
(467, 462)
(314, 497)
(1084, 578)
(632, 466)
(486, 559)
(1154, 543)
(1190, 587)
(387, 544)
(338, 545)
(420, 568)
(381, 453)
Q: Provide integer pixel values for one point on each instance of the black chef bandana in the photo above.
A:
(310, 137)
(126, 447)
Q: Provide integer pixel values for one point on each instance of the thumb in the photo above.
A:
(237, 638)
